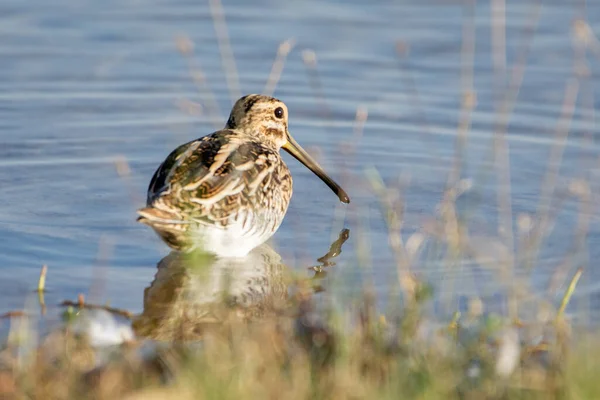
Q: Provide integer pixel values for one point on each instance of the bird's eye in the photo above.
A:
(279, 113)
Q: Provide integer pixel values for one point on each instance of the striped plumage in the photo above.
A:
(229, 191)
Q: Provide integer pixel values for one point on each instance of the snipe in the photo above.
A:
(228, 192)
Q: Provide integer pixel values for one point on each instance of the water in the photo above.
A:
(83, 84)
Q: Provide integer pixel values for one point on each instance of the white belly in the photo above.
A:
(237, 239)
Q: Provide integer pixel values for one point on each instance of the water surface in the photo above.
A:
(83, 84)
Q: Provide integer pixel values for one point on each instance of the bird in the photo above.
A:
(227, 193)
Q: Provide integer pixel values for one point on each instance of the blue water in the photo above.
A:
(83, 84)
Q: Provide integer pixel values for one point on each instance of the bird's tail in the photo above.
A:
(168, 225)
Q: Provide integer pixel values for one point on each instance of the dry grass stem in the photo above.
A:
(185, 46)
(282, 52)
(227, 58)
(42, 281)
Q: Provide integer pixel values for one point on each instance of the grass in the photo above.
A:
(286, 340)
(294, 349)
(287, 343)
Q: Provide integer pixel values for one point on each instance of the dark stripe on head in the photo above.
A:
(250, 102)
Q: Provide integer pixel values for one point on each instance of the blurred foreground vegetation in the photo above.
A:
(286, 345)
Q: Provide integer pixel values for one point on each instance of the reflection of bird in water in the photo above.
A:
(228, 192)
(191, 292)
(188, 294)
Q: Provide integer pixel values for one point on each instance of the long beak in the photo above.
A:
(301, 155)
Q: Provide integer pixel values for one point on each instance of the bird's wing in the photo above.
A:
(218, 172)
